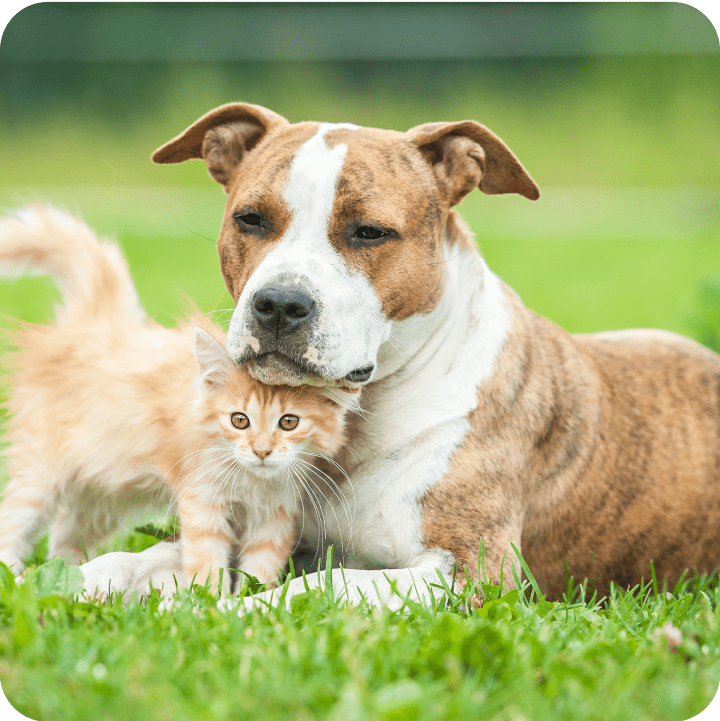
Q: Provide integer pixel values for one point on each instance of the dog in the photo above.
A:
(485, 424)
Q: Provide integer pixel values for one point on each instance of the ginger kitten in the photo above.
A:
(112, 413)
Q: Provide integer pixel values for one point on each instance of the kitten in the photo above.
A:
(113, 413)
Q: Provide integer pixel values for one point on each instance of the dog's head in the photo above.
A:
(332, 232)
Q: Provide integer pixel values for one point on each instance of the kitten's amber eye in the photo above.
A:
(288, 423)
(239, 420)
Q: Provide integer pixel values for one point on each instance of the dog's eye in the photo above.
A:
(253, 220)
(240, 420)
(289, 423)
(368, 232)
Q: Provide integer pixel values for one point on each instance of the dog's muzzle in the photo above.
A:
(285, 322)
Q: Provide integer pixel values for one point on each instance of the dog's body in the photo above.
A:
(484, 421)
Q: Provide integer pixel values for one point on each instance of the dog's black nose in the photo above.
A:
(281, 309)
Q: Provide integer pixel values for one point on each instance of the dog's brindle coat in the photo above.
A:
(484, 420)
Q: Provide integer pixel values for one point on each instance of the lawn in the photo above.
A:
(649, 653)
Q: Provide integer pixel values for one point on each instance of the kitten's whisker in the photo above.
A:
(219, 487)
(228, 477)
(290, 484)
(186, 489)
(361, 412)
(182, 489)
(337, 491)
(341, 469)
(353, 452)
(209, 485)
(304, 476)
(183, 484)
(336, 488)
(320, 491)
(345, 506)
(313, 500)
(329, 460)
(302, 502)
(192, 456)
(316, 506)
(188, 456)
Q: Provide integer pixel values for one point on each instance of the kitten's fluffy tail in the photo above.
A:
(92, 274)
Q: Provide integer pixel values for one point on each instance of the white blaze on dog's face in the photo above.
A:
(333, 232)
(347, 324)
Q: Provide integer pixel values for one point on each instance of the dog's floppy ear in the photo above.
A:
(220, 138)
(467, 155)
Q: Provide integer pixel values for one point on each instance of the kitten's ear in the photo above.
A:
(214, 363)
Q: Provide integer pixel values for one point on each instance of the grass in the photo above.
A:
(647, 653)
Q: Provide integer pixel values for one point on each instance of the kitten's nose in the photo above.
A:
(261, 454)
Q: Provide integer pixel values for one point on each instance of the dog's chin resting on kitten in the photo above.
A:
(111, 413)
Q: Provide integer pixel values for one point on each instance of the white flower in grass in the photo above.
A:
(670, 632)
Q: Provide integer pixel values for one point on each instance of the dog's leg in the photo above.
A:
(391, 588)
(159, 566)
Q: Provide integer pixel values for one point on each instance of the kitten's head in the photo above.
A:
(266, 427)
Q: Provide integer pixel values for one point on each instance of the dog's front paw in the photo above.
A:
(111, 573)
(168, 604)
(271, 598)
(165, 583)
(242, 606)
(134, 573)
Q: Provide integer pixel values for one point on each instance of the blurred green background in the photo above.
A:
(613, 108)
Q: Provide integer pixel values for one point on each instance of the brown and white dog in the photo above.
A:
(483, 420)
